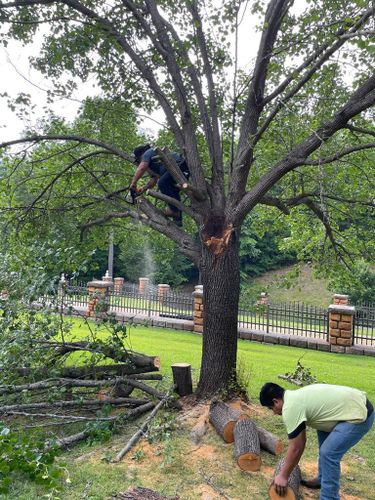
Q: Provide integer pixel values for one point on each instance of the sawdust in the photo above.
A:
(205, 452)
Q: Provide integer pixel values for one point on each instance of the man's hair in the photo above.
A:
(139, 150)
(269, 392)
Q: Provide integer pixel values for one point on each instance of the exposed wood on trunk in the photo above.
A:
(293, 484)
(182, 378)
(224, 418)
(269, 441)
(140, 493)
(247, 446)
(137, 436)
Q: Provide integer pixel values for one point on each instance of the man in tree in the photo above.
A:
(341, 415)
(149, 162)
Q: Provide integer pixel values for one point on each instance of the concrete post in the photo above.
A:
(107, 277)
(341, 323)
(198, 309)
(163, 290)
(143, 285)
(118, 284)
(98, 297)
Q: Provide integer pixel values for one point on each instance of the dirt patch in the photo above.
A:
(204, 452)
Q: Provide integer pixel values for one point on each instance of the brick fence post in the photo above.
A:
(143, 285)
(163, 290)
(98, 297)
(341, 323)
(118, 284)
(198, 309)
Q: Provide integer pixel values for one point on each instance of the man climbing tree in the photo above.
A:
(289, 132)
(149, 162)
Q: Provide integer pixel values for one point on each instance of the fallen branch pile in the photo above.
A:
(82, 395)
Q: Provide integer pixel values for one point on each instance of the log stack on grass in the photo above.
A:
(67, 399)
(235, 426)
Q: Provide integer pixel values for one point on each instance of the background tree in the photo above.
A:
(292, 133)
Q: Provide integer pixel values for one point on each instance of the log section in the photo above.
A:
(247, 446)
(293, 484)
(270, 442)
(182, 378)
(224, 418)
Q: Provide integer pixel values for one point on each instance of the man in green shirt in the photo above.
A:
(341, 415)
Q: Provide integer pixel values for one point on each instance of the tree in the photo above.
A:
(285, 134)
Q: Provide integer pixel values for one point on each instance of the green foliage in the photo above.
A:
(27, 454)
(301, 375)
(358, 283)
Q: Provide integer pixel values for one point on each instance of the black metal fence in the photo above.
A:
(292, 318)
(364, 324)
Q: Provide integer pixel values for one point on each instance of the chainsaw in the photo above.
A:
(132, 195)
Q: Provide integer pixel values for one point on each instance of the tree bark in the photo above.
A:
(221, 288)
(293, 484)
(270, 442)
(247, 446)
(224, 418)
(182, 378)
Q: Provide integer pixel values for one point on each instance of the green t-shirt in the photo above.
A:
(322, 406)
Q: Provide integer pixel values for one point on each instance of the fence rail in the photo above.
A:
(364, 324)
(289, 318)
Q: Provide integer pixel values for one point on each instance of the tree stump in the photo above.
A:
(247, 446)
(293, 484)
(270, 442)
(224, 418)
(182, 378)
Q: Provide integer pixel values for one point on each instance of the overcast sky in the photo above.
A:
(17, 76)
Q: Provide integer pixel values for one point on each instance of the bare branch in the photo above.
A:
(341, 154)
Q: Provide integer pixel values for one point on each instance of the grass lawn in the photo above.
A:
(175, 465)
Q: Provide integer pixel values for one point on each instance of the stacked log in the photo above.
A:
(86, 390)
(224, 418)
(293, 484)
(247, 446)
(270, 442)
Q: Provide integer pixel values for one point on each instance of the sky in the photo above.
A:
(17, 76)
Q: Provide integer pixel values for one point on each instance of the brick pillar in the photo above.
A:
(341, 323)
(118, 284)
(163, 290)
(198, 309)
(143, 285)
(98, 297)
(107, 277)
(263, 300)
(341, 299)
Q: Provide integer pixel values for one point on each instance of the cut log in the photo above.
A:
(224, 418)
(140, 493)
(182, 378)
(270, 442)
(293, 484)
(200, 428)
(247, 445)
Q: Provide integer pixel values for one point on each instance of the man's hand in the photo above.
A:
(281, 484)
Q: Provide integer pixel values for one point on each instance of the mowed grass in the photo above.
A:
(176, 466)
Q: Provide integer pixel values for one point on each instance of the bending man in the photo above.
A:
(341, 415)
(148, 162)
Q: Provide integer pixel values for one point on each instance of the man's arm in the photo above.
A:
(141, 170)
(296, 447)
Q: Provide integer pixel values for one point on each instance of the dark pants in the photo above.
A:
(167, 186)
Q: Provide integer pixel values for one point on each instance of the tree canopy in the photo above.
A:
(290, 133)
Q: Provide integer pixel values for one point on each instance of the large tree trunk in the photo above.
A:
(221, 286)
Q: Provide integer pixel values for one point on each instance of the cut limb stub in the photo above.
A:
(293, 484)
(182, 378)
(270, 442)
(224, 418)
(217, 234)
(247, 446)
